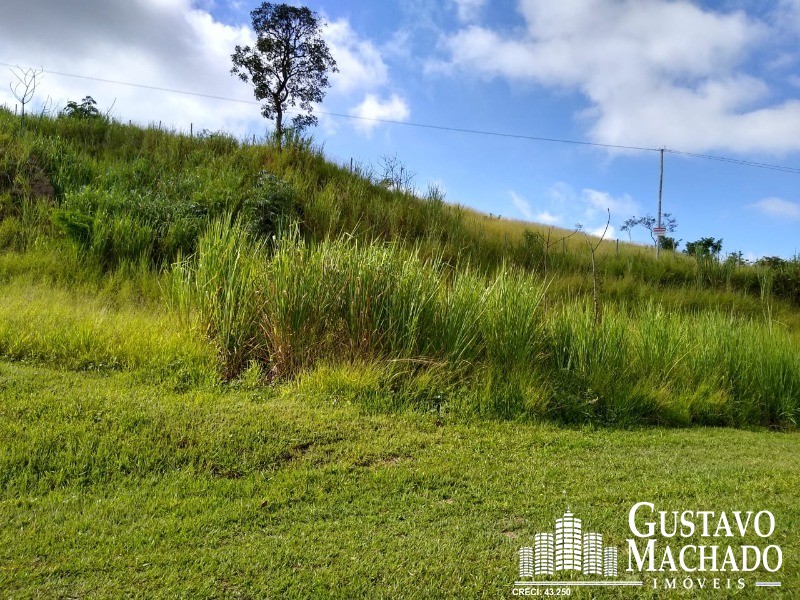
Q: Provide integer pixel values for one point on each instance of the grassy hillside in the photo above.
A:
(125, 194)
(288, 263)
(227, 371)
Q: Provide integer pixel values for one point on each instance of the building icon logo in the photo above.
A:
(573, 554)
(562, 556)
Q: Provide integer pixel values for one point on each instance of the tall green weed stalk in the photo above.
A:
(216, 290)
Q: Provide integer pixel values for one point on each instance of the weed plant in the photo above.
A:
(289, 263)
(296, 306)
(110, 187)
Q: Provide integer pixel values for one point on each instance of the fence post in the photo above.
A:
(618, 247)
(660, 186)
(191, 130)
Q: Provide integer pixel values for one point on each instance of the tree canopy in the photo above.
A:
(289, 64)
(649, 222)
(87, 109)
(706, 246)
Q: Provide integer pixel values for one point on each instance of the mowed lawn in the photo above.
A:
(116, 486)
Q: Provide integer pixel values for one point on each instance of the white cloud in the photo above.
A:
(610, 233)
(654, 72)
(522, 205)
(561, 193)
(777, 207)
(363, 74)
(547, 218)
(599, 202)
(590, 204)
(400, 45)
(787, 15)
(588, 207)
(172, 44)
(361, 66)
(393, 109)
(161, 43)
(469, 10)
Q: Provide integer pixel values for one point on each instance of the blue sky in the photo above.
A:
(716, 78)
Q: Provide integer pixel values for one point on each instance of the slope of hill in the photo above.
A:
(287, 263)
(227, 371)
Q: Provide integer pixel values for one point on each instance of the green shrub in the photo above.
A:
(11, 234)
(77, 226)
(271, 207)
(220, 285)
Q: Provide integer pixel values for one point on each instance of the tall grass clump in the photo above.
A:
(645, 365)
(217, 291)
(297, 305)
(511, 322)
(756, 368)
(338, 300)
(482, 343)
(596, 357)
(294, 306)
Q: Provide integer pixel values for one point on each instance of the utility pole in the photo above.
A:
(660, 187)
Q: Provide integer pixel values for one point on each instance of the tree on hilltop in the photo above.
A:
(668, 243)
(27, 79)
(289, 64)
(706, 246)
(87, 109)
(649, 222)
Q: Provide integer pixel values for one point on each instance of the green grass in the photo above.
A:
(81, 331)
(227, 371)
(111, 487)
(284, 260)
(123, 193)
(494, 346)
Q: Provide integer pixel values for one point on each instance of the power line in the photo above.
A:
(140, 85)
(736, 161)
(346, 116)
(781, 168)
(494, 133)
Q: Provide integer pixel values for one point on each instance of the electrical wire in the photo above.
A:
(736, 161)
(726, 159)
(346, 116)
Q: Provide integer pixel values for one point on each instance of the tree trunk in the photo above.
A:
(279, 128)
